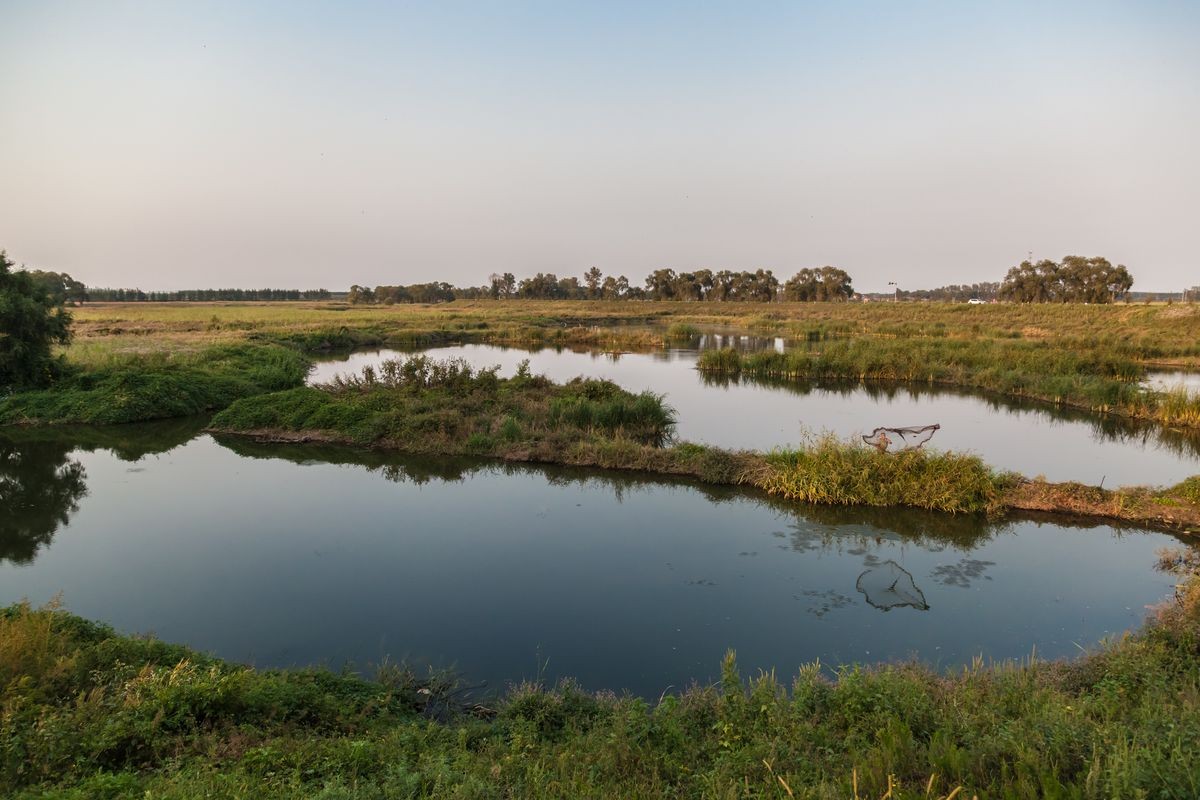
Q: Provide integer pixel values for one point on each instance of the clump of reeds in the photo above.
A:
(835, 472)
(682, 330)
(1176, 406)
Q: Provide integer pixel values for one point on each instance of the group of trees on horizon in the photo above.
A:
(1076, 279)
(103, 295)
(823, 283)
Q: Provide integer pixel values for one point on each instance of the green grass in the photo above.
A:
(136, 388)
(425, 406)
(833, 472)
(88, 713)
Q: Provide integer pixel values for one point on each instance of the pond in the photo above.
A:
(295, 555)
(1031, 438)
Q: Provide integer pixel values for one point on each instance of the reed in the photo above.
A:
(834, 472)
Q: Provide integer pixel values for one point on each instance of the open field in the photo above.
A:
(1159, 334)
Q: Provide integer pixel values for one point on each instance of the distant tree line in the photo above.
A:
(1076, 279)
(202, 295)
(824, 283)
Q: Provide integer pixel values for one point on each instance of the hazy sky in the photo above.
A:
(171, 145)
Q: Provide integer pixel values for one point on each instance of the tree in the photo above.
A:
(660, 284)
(540, 287)
(820, 285)
(360, 294)
(592, 278)
(1077, 279)
(61, 287)
(502, 286)
(31, 323)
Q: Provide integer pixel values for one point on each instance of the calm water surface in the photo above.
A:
(1032, 439)
(296, 555)
(1166, 380)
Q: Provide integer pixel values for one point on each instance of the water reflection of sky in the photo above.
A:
(298, 555)
(1166, 380)
(1033, 439)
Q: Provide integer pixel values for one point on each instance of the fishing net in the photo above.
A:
(889, 585)
(907, 438)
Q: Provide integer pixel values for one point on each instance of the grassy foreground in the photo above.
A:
(88, 713)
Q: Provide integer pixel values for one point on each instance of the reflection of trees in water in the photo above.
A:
(1104, 427)
(962, 573)
(41, 484)
(821, 602)
(40, 488)
(126, 442)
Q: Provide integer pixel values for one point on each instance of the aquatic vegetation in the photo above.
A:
(91, 713)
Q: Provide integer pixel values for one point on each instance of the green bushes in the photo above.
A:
(139, 388)
(85, 712)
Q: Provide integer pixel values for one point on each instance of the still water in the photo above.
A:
(1031, 438)
(295, 555)
(1168, 380)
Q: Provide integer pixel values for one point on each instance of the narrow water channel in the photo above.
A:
(1030, 438)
